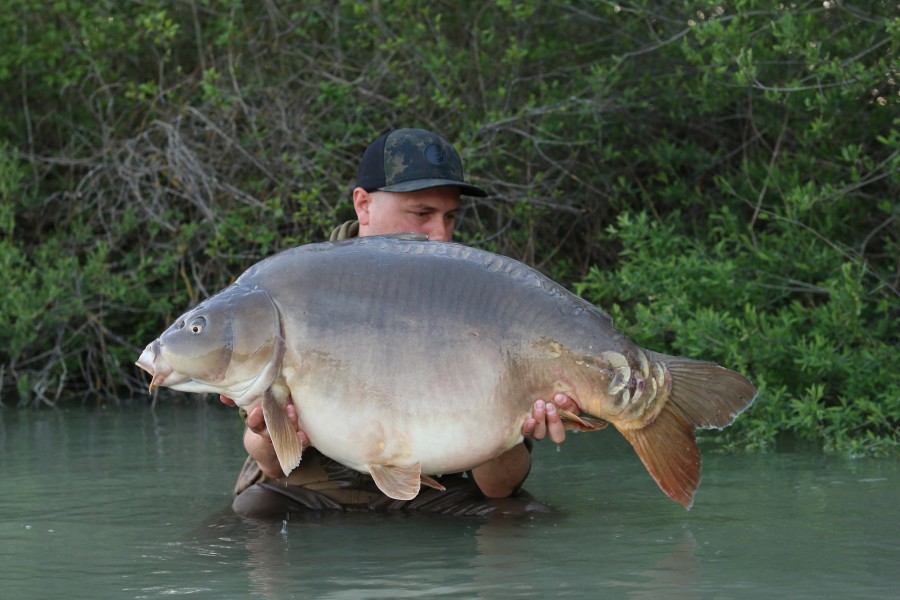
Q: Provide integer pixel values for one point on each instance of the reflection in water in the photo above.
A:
(678, 574)
(362, 555)
(135, 504)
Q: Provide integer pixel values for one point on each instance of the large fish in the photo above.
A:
(407, 358)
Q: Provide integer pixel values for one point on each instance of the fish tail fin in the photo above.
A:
(668, 450)
(707, 395)
(702, 396)
(284, 437)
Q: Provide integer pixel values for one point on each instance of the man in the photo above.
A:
(410, 180)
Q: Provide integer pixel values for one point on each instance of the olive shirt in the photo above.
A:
(321, 482)
(348, 230)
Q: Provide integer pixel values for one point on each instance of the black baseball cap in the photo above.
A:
(408, 160)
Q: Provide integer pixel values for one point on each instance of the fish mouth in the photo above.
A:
(162, 373)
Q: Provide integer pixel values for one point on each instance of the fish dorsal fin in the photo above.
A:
(284, 437)
(397, 482)
(408, 236)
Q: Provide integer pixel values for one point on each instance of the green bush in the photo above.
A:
(723, 176)
(818, 342)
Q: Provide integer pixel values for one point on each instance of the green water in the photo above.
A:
(133, 503)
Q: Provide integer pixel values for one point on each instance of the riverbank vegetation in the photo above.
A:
(720, 176)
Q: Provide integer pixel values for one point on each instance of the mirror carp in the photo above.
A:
(407, 358)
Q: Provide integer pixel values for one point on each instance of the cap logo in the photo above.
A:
(435, 155)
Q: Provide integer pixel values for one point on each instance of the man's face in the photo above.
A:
(432, 212)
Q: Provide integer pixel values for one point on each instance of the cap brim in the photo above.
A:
(426, 184)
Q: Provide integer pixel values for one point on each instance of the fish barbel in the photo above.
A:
(407, 358)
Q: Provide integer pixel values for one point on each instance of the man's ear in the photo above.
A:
(361, 202)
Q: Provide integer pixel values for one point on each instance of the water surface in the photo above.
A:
(133, 503)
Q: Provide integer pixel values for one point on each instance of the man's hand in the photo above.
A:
(258, 443)
(256, 423)
(545, 419)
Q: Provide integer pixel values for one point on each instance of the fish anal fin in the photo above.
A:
(396, 481)
(284, 437)
(580, 422)
(432, 483)
(669, 451)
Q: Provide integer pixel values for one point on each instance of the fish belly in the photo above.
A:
(441, 408)
(408, 352)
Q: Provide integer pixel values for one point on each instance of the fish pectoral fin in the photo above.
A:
(579, 422)
(284, 437)
(398, 482)
(432, 483)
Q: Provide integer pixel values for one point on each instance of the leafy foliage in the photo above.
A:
(723, 177)
(818, 344)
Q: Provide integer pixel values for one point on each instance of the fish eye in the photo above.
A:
(197, 325)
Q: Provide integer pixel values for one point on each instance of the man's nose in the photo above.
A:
(440, 231)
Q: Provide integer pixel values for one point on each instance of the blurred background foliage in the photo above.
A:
(721, 176)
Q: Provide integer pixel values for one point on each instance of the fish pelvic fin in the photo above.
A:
(284, 437)
(703, 395)
(398, 482)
